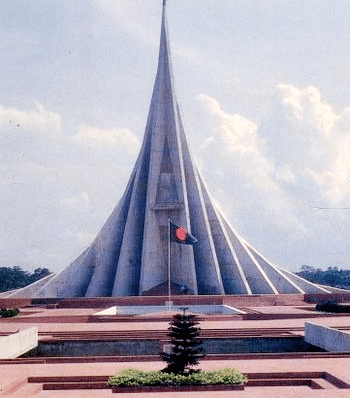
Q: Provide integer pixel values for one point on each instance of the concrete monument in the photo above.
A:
(134, 253)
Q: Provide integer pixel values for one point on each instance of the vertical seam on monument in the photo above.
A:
(143, 166)
(234, 254)
(207, 226)
(183, 176)
(237, 264)
(218, 213)
(241, 242)
(232, 250)
(176, 116)
(187, 152)
(177, 120)
(154, 124)
(193, 170)
(96, 287)
(267, 279)
(253, 250)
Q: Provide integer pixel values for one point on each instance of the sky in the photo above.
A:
(264, 88)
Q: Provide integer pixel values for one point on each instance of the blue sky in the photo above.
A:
(265, 95)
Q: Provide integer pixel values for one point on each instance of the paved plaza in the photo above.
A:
(53, 321)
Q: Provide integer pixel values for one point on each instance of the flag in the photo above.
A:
(180, 235)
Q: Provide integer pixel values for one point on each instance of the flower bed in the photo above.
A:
(132, 380)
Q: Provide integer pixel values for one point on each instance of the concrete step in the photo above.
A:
(162, 334)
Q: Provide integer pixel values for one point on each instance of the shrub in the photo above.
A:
(331, 306)
(4, 313)
(139, 378)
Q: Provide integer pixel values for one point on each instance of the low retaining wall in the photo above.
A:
(255, 300)
(82, 348)
(16, 344)
(322, 297)
(153, 347)
(327, 338)
(15, 302)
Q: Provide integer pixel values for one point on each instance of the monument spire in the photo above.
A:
(130, 255)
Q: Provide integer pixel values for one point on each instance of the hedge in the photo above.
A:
(139, 378)
(4, 313)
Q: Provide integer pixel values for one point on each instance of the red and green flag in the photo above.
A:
(180, 235)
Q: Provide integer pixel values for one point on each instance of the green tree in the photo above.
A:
(333, 276)
(38, 274)
(15, 277)
(186, 350)
(12, 278)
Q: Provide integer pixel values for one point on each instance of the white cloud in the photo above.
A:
(232, 141)
(242, 176)
(107, 138)
(38, 121)
(236, 132)
(309, 144)
(30, 142)
(80, 200)
(268, 177)
(51, 181)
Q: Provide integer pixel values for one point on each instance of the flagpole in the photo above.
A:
(169, 263)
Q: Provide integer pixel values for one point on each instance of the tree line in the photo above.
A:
(332, 276)
(15, 277)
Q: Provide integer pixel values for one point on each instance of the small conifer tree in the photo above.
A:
(186, 346)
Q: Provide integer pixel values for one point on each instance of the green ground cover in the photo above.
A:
(139, 378)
